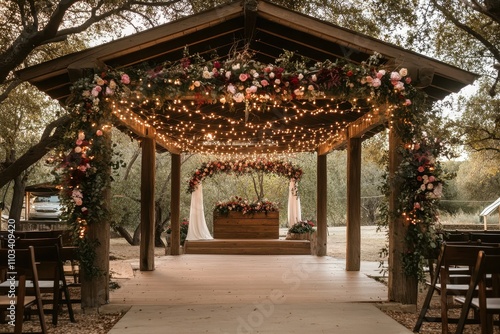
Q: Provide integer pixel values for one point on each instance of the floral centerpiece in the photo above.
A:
(301, 230)
(238, 204)
(183, 230)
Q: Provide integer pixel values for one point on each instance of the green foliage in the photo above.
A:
(305, 226)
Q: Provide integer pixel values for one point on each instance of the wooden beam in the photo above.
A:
(357, 129)
(148, 168)
(402, 289)
(321, 205)
(175, 203)
(353, 229)
(353, 41)
(141, 130)
(250, 13)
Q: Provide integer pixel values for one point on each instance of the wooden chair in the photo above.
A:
(25, 267)
(490, 237)
(50, 272)
(447, 280)
(487, 301)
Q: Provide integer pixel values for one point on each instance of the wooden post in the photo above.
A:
(148, 172)
(321, 202)
(175, 204)
(95, 290)
(402, 288)
(353, 230)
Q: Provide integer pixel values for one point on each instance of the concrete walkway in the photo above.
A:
(252, 294)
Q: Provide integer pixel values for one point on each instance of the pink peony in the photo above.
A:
(125, 79)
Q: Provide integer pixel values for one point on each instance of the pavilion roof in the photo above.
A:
(265, 30)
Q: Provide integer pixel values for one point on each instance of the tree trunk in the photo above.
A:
(16, 206)
(122, 231)
(137, 235)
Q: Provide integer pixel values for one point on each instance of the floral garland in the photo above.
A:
(422, 188)
(239, 204)
(240, 167)
(241, 79)
(83, 162)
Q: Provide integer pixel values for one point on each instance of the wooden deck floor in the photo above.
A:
(271, 294)
(199, 279)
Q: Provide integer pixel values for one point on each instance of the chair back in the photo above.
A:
(38, 242)
(486, 237)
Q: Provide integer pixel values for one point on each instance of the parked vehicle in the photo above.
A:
(45, 207)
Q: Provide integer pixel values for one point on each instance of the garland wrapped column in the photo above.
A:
(402, 287)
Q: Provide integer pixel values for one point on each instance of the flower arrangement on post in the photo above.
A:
(301, 230)
(184, 227)
(239, 204)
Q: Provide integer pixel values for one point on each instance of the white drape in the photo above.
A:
(197, 225)
(294, 211)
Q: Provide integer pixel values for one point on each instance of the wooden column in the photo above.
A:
(402, 289)
(321, 205)
(148, 172)
(353, 231)
(95, 290)
(175, 204)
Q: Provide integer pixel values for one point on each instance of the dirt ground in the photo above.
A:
(371, 244)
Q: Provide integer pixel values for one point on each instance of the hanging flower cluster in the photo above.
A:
(239, 167)
(239, 204)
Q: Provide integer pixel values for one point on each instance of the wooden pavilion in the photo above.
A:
(264, 30)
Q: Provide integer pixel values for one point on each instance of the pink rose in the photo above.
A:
(109, 91)
(99, 133)
(96, 90)
(416, 205)
(395, 76)
(407, 102)
(79, 142)
(380, 74)
(408, 80)
(243, 77)
(376, 82)
(125, 79)
(264, 83)
(421, 169)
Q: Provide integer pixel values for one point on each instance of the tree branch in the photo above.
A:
(36, 152)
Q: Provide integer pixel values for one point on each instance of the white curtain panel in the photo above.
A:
(294, 210)
(198, 229)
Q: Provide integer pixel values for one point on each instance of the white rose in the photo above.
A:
(228, 74)
(403, 72)
(231, 89)
(207, 74)
(236, 67)
(238, 97)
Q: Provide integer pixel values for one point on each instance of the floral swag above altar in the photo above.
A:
(239, 167)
